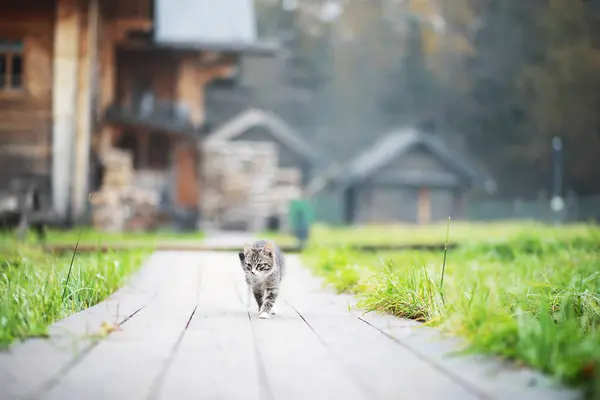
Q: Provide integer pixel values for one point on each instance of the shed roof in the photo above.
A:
(399, 142)
(277, 127)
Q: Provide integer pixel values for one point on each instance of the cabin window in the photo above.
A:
(11, 65)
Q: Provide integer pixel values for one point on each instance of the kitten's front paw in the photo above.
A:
(263, 315)
(273, 310)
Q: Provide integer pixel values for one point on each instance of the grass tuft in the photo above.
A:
(530, 295)
(37, 288)
(71, 266)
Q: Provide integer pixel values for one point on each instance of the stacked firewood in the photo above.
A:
(119, 205)
(244, 185)
(238, 176)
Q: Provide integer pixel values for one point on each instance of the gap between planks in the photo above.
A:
(156, 386)
(52, 382)
(265, 391)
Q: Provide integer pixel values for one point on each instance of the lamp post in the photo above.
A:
(557, 203)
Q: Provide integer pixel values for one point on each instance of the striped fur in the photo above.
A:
(264, 267)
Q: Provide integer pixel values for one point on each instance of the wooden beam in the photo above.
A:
(189, 90)
(86, 69)
(108, 76)
(65, 85)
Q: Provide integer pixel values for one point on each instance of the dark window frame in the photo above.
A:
(9, 49)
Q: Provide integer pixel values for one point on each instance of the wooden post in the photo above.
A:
(187, 184)
(107, 60)
(424, 206)
(189, 89)
(87, 61)
(66, 49)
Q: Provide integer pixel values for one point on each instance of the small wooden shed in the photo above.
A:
(255, 125)
(407, 176)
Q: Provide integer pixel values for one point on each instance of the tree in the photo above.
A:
(563, 90)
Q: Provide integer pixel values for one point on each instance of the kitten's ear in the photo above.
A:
(242, 257)
(247, 247)
(268, 250)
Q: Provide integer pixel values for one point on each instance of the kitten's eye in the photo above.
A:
(248, 265)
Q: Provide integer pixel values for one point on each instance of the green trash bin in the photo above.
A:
(301, 218)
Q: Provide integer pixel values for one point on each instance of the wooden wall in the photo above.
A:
(174, 77)
(158, 70)
(25, 116)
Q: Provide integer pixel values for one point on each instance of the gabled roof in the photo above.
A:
(399, 142)
(278, 128)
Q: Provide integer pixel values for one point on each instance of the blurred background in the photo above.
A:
(140, 114)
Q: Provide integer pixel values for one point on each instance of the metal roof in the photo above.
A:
(278, 128)
(399, 142)
(205, 21)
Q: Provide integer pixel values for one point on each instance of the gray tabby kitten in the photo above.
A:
(264, 266)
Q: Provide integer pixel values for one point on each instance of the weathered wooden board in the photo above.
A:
(495, 378)
(297, 364)
(381, 367)
(32, 366)
(186, 334)
(130, 360)
(425, 353)
(217, 355)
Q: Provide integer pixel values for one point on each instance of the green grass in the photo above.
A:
(387, 235)
(530, 294)
(37, 290)
(90, 236)
(93, 237)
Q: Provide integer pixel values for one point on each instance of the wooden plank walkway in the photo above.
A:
(186, 334)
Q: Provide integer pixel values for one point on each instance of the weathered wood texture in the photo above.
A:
(189, 88)
(418, 351)
(25, 114)
(119, 204)
(158, 75)
(244, 184)
(129, 361)
(32, 367)
(131, 15)
(186, 171)
(86, 96)
(189, 336)
(68, 20)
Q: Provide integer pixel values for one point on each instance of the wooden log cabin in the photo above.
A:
(80, 76)
(408, 176)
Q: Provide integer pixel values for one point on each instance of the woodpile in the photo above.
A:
(119, 205)
(244, 185)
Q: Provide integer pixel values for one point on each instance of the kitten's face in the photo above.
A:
(256, 262)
